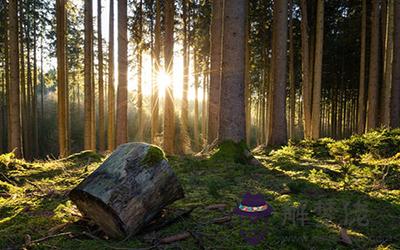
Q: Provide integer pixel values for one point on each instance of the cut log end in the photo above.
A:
(125, 193)
(103, 215)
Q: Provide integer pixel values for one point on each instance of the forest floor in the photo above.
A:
(325, 195)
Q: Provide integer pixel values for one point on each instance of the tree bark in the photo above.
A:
(14, 122)
(292, 84)
(277, 134)
(29, 148)
(111, 81)
(2, 109)
(101, 79)
(88, 69)
(204, 112)
(169, 113)
(7, 80)
(395, 97)
(247, 93)
(361, 90)
(128, 190)
(41, 130)
(35, 139)
(306, 83)
(140, 66)
(185, 139)
(316, 100)
(387, 72)
(154, 92)
(61, 79)
(122, 93)
(215, 72)
(372, 103)
(196, 102)
(232, 117)
(23, 87)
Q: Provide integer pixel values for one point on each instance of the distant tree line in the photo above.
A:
(269, 71)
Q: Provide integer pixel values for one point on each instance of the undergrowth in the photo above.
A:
(315, 188)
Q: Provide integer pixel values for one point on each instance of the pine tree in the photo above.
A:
(169, 114)
(14, 94)
(88, 70)
(122, 94)
(277, 133)
(111, 88)
(62, 88)
(232, 118)
(372, 102)
(101, 80)
(215, 72)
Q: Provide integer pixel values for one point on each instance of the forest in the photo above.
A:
(221, 102)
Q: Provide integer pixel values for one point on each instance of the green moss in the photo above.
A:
(232, 152)
(153, 156)
(328, 190)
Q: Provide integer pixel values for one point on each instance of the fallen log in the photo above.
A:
(128, 189)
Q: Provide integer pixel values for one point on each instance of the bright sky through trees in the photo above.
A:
(132, 78)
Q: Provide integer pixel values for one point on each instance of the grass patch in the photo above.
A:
(312, 193)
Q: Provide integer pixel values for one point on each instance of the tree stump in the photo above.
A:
(128, 190)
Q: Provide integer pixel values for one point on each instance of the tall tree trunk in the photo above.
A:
(306, 82)
(263, 112)
(395, 97)
(93, 98)
(122, 93)
(2, 109)
(232, 117)
(41, 132)
(361, 93)
(111, 86)
(247, 94)
(14, 122)
(203, 112)
(196, 101)
(336, 123)
(169, 114)
(101, 79)
(215, 69)
(35, 138)
(154, 89)
(28, 138)
(184, 135)
(264, 92)
(88, 69)
(61, 79)
(316, 103)
(23, 92)
(140, 65)
(277, 104)
(257, 122)
(387, 72)
(292, 86)
(7, 81)
(372, 103)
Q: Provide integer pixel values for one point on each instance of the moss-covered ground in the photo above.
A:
(315, 188)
